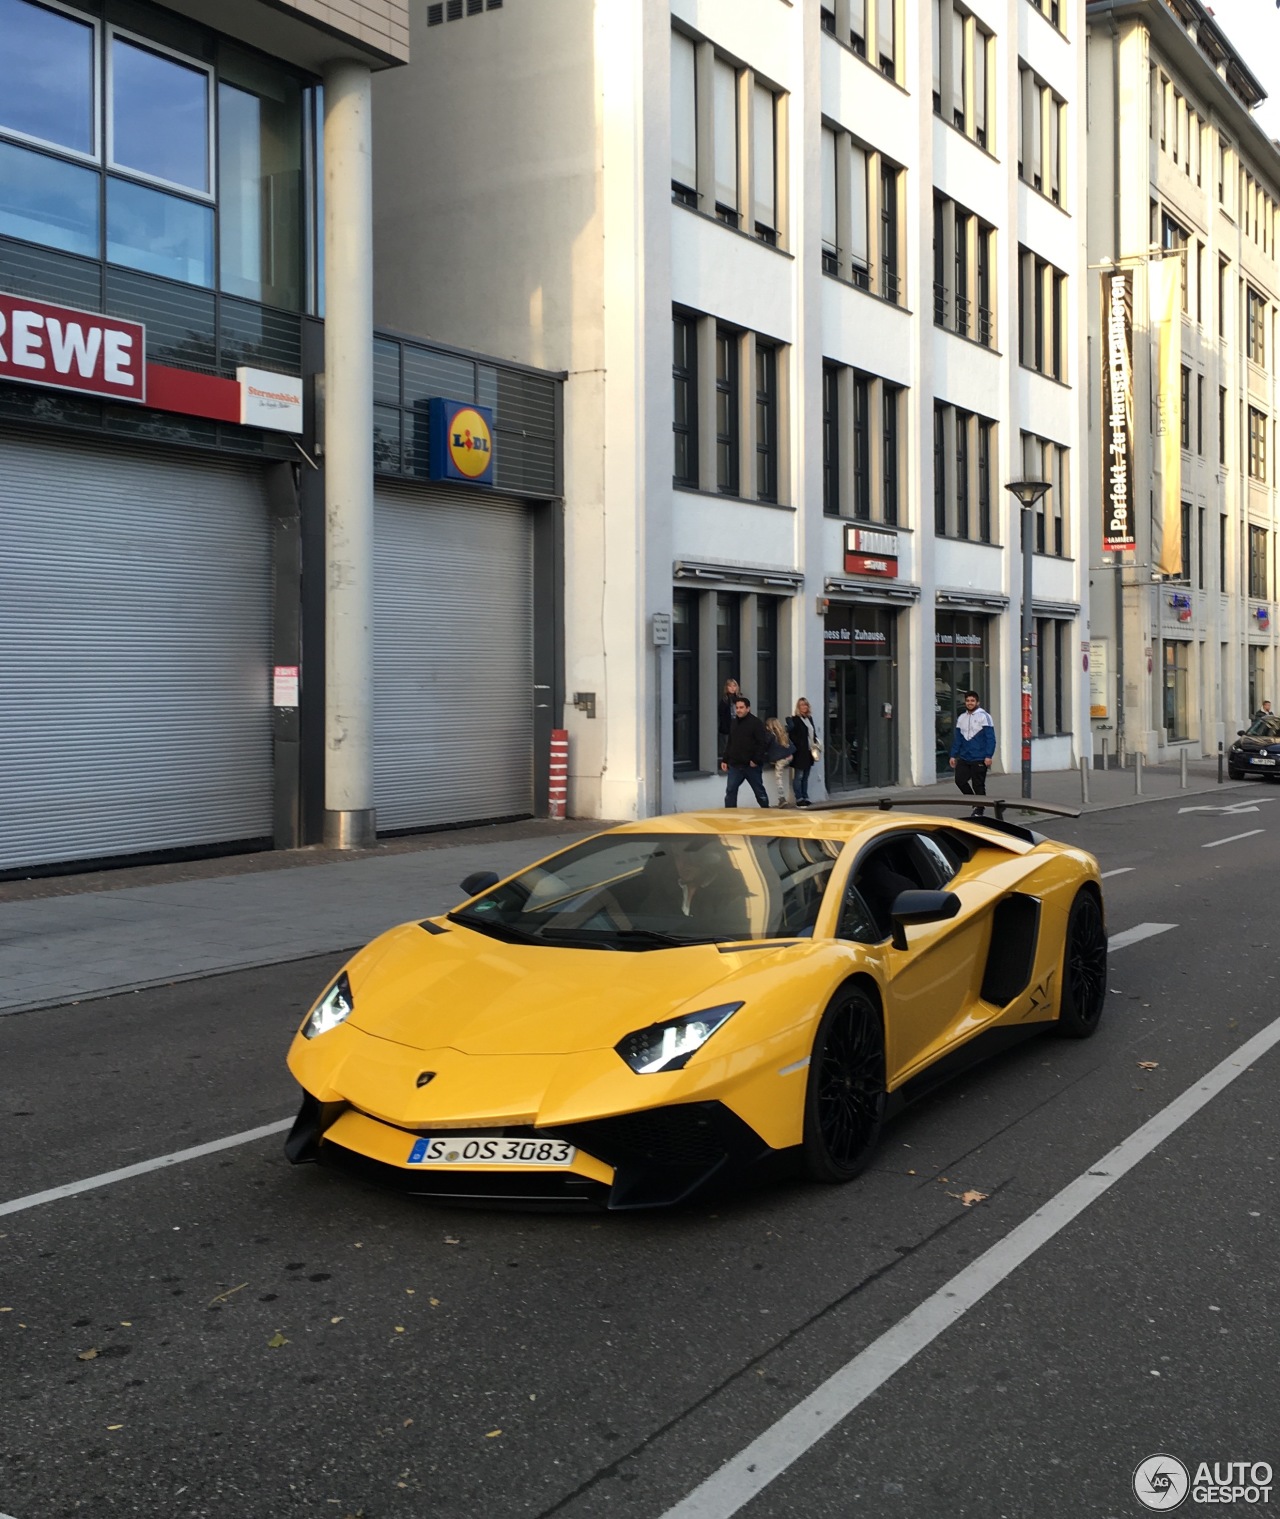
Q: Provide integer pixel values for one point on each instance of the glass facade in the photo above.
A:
(197, 173)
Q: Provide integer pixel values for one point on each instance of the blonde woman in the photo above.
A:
(803, 734)
(778, 755)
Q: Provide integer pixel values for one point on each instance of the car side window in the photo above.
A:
(857, 922)
(936, 861)
(885, 871)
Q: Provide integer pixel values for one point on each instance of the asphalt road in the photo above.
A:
(236, 1338)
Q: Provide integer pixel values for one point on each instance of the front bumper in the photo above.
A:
(649, 1159)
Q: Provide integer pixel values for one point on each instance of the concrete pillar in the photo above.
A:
(349, 820)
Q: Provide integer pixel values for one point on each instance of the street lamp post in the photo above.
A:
(1027, 492)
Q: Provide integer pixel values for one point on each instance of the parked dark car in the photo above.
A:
(1256, 750)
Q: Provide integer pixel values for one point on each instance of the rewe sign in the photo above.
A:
(72, 350)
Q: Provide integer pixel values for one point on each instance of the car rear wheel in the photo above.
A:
(845, 1096)
(1084, 968)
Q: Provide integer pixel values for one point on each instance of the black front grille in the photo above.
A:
(681, 1136)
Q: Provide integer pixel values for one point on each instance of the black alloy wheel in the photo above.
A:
(1084, 968)
(845, 1096)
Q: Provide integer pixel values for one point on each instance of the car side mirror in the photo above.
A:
(1240, 732)
(478, 881)
(920, 907)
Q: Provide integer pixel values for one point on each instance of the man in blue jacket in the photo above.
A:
(972, 746)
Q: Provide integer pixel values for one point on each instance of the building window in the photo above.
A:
(1045, 460)
(887, 36)
(962, 445)
(940, 468)
(684, 679)
(1051, 10)
(728, 639)
(177, 201)
(1177, 671)
(1042, 136)
(727, 344)
(1258, 578)
(1174, 238)
(1200, 415)
(1256, 327)
(1200, 549)
(831, 440)
(963, 254)
(1222, 551)
(1041, 315)
(962, 55)
(861, 447)
(1185, 404)
(870, 465)
(766, 422)
(985, 430)
(964, 424)
(861, 190)
(1052, 686)
(1185, 543)
(1257, 444)
(684, 378)
(709, 129)
(1222, 426)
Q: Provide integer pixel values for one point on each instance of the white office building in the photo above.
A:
(816, 278)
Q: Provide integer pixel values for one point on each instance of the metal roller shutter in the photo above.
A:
(453, 673)
(135, 645)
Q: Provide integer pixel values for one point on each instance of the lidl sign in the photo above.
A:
(461, 442)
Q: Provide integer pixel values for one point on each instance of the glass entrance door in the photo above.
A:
(861, 745)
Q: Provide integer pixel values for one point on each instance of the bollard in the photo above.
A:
(1137, 772)
(1103, 766)
(1084, 780)
(1183, 767)
(1121, 759)
(558, 790)
(1219, 762)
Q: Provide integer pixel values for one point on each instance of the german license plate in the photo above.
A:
(1258, 760)
(485, 1150)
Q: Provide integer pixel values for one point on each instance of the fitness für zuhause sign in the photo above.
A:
(1117, 412)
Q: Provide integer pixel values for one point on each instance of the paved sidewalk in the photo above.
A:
(75, 938)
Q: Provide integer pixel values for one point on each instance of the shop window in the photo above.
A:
(961, 663)
(49, 200)
(159, 233)
(1177, 666)
(728, 614)
(765, 700)
(684, 679)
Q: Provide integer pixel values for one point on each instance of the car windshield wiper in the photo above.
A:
(495, 929)
(625, 938)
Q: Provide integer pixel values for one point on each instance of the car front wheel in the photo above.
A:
(1234, 775)
(1084, 968)
(845, 1096)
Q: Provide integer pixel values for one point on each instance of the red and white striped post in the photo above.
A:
(558, 791)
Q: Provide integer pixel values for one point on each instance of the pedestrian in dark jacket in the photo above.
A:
(803, 733)
(972, 746)
(743, 756)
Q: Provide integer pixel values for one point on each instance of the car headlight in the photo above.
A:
(668, 1046)
(335, 1007)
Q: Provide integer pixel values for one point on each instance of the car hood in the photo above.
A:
(478, 995)
(1249, 744)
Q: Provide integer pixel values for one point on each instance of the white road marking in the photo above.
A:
(1122, 871)
(34, 1199)
(1233, 810)
(747, 1474)
(1234, 837)
(1138, 934)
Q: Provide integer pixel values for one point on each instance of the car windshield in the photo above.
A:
(1265, 727)
(637, 891)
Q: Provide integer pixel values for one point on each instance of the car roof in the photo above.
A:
(842, 823)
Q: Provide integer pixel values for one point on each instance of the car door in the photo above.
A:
(930, 987)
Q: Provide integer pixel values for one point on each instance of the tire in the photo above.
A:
(1234, 775)
(845, 1096)
(1084, 968)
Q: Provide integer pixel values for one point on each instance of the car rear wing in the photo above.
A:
(975, 806)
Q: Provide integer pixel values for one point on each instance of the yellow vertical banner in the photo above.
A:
(1165, 281)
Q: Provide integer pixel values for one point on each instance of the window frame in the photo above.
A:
(689, 378)
(209, 197)
(95, 155)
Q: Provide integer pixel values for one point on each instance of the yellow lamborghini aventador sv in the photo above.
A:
(673, 1000)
